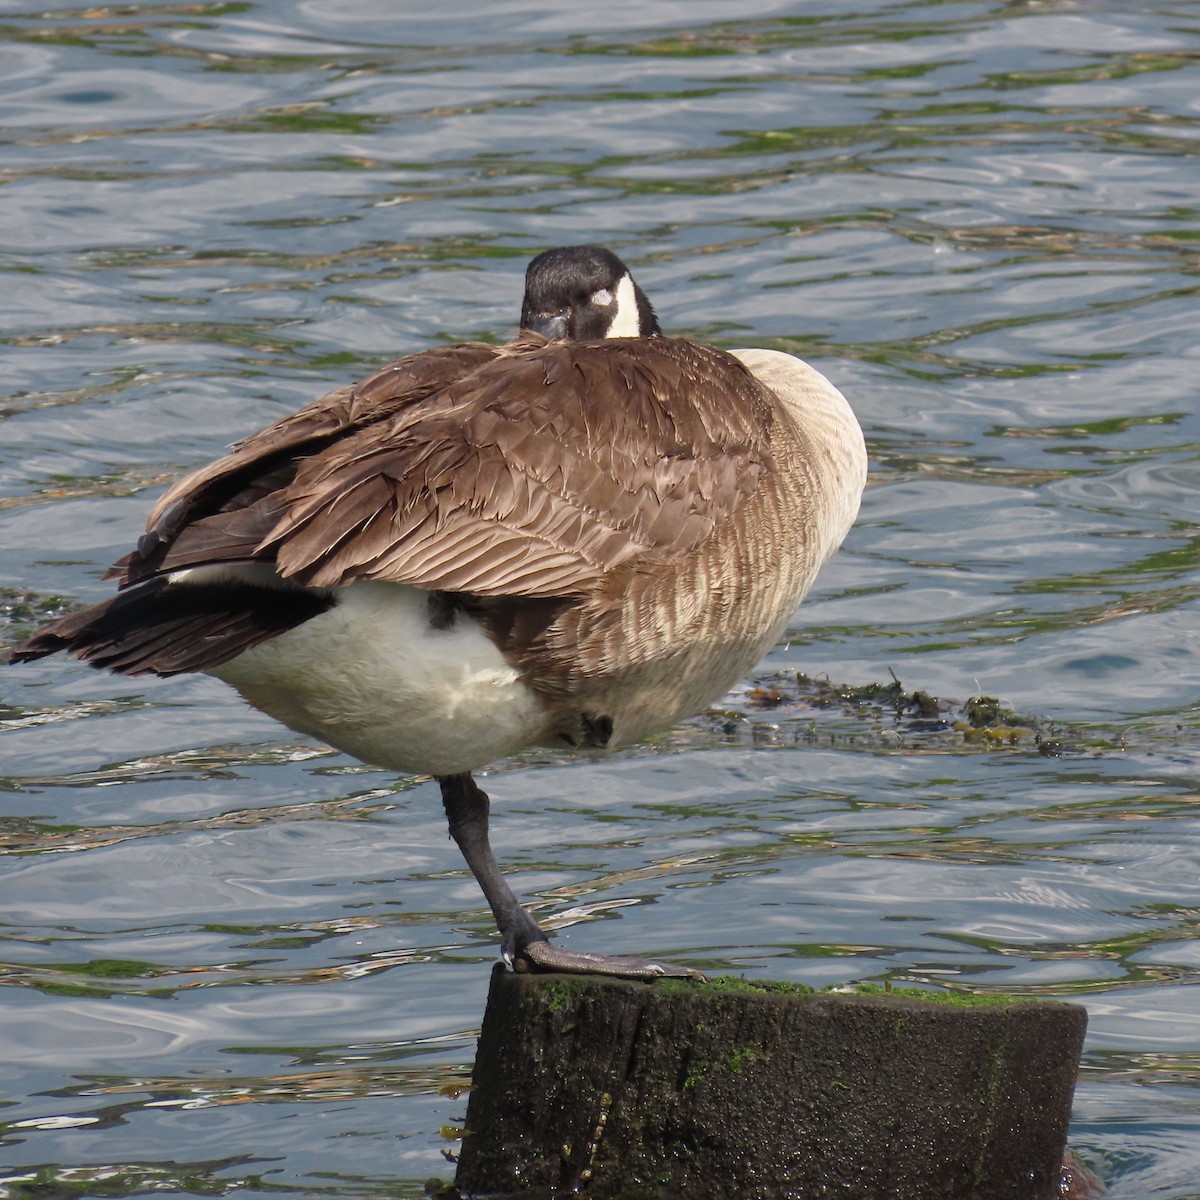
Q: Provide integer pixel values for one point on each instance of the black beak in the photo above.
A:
(549, 325)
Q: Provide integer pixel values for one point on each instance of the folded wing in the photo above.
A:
(491, 471)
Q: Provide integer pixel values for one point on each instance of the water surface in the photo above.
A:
(237, 962)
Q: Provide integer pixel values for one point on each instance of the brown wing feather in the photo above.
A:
(529, 477)
(224, 511)
(527, 470)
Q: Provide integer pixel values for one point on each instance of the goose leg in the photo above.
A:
(524, 946)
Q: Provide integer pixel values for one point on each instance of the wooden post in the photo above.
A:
(733, 1090)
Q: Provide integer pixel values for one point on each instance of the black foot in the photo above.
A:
(543, 956)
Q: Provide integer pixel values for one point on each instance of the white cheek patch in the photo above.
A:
(602, 298)
(625, 322)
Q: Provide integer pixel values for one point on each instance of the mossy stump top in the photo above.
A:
(733, 1090)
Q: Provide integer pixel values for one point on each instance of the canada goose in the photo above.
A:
(573, 539)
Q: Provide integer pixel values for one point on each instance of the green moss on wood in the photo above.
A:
(559, 992)
(952, 998)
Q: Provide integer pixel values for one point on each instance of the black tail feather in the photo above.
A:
(162, 628)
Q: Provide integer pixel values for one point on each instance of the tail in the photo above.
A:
(164, 628)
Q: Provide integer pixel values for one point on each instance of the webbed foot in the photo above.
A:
(545, 956)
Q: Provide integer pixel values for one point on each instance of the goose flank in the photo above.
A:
(573, 539)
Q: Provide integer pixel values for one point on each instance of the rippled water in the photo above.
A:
(239, 963)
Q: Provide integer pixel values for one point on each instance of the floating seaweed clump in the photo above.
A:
(805, 708)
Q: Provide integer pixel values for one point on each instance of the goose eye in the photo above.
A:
(602, 298)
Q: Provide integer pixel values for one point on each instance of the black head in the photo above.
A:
(584, 293)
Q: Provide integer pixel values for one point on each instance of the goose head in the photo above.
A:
(584, 293)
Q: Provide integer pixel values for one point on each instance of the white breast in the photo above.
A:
(371, 677)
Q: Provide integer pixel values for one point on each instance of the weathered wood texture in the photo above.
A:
(611, 1089)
